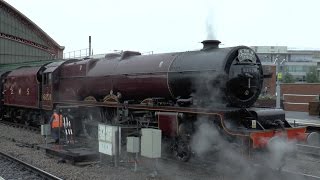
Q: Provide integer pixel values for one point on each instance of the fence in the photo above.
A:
(76, 54)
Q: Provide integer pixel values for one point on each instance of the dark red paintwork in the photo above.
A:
(170, 76)
(21, 88)
(135, 77)
(168, 123)
(261, 139)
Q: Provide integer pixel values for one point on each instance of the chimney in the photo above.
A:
(90, 46)
(210, 44)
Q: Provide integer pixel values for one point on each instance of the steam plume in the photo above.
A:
(209, 25)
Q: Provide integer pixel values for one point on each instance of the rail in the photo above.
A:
(32, 168)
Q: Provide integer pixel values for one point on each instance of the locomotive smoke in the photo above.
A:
(209, 25)
(208, 88)
(206, 138)
(208, 144)
(279, 149)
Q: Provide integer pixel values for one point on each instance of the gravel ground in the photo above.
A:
(19, 143)
(63, 170)
(15, 142)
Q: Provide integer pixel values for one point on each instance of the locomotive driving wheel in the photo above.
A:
(1, 116)
(27, 122)
(111, 116)
(182, 150)
(90, 123)
(90, 119)
(27, 118)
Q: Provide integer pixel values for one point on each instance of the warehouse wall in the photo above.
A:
(21, 40)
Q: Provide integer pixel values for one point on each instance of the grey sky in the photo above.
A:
(174, 25)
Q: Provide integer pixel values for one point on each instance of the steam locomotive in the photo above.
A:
(166, 91)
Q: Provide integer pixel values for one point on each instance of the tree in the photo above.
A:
(312, 75)
(288, 78)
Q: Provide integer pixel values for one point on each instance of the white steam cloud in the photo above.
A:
(209, 143)
(279, 148)
(205, 139)
(210, 29)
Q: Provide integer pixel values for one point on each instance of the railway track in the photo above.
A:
(13, 168)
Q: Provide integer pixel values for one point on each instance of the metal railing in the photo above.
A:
(76, 54)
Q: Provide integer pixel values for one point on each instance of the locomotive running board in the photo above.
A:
(258, 138)
(191, 110)
(199, 111)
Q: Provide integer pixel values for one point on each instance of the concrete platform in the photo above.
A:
(73, 153)
(302, 118)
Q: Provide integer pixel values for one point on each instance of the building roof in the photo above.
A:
(32, 24)
(9, 67)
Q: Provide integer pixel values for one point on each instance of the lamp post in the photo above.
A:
(279, 77)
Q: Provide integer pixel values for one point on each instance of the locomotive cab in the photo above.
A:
(49, 83)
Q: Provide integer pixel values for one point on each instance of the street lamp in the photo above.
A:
(278, 63)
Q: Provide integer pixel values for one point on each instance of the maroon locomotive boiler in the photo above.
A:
(167, 91)
(206, 75)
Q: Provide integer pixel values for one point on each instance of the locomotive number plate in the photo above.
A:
(248, 70)
(246, 54)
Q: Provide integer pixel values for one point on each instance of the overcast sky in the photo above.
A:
(174, 25)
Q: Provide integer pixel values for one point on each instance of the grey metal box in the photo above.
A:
(151, 143)
(45, 129)
(133, 144)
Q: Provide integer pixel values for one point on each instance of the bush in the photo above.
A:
(266, 97)
(288, 78)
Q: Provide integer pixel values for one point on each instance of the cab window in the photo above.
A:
(47, 78)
